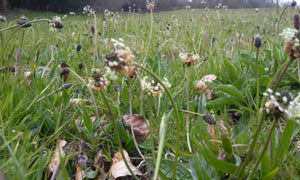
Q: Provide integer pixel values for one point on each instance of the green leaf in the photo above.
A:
(230, 90)
(242, 138)
(87, 121)
(216, 163)
(265, 165)
(91, 174)
(162, 135)
(285, 139)
(202, 104)
(226, 144)
(223, 101)
(271, 174)
(198, 170)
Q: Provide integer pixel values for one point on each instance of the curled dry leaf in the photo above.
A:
(140, 126)
(79, 173)
(55, 160)
(201, 86)
(119, 169)
(100, 164)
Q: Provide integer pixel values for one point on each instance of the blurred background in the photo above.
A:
(63, 6)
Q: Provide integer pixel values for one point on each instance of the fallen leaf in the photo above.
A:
(119, 169)
(55, 160)
(140, 126)
(100, 164)
(79, 173)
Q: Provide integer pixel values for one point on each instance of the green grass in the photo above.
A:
(33, 118)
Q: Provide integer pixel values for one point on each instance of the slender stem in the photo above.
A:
(117, 134)
(151, 129)
(257, 81)
(141, 97)
(280, 16)
(131, 122)
(176, 114)
(19, 27)
(188, 109)
(281, 74)
(264, 148)
(95, 40)
(190, 112)
(150, 37)
(298, 65)
(33, 21)
(261, 116)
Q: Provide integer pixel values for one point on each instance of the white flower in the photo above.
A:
(72, 13)
(289, 34)
(111, 73)
(65, 16)
(2, 18)
(88, 10)
(294, 108)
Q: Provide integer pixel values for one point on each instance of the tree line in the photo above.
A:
(63, 6)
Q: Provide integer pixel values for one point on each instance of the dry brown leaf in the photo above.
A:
(55, 160)
(140, 127)
(119, 169)
(100, 164)
(79, 173)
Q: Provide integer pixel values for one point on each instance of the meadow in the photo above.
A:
(187, 94)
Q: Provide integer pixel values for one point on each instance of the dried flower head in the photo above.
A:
(2, 18)
(292, 42)
(150, 5)
(154, 88)
(56, 23)
(88, 10)
(203, 2)
(97, 82)
(121, 60)
(202, 86)
(189, 58)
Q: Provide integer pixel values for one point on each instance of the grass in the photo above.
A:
(35, 112)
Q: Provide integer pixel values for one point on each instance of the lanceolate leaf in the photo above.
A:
(271, 174)
(265, 165)
(230, 90)
(216, 163)
(285, 139)
(198, 170)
